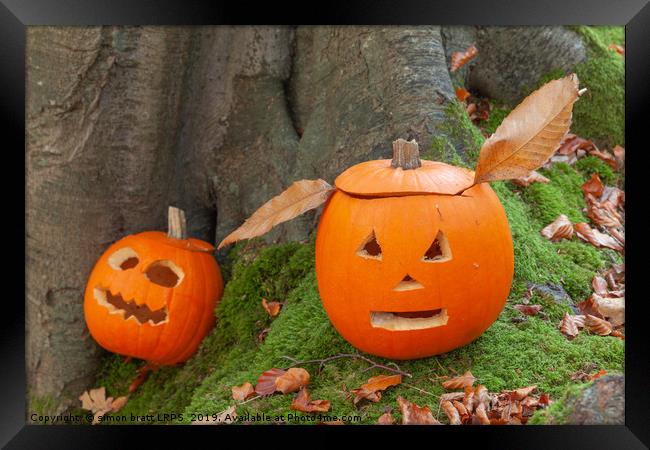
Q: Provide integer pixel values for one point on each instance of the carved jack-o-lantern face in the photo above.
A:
(153, 297)
(405, 276)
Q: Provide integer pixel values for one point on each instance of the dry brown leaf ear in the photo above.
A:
(530, 134)
(300, 197)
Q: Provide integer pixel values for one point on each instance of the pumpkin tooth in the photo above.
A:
(418, 320)
(129, 309)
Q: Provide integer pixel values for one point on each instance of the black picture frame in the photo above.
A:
(16, 15)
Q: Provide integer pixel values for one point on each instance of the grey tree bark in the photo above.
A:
(124, 121)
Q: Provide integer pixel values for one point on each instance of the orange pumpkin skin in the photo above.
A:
(188, 307)
(471, 287)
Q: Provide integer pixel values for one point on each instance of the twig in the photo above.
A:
(322, 362)
(421, 390)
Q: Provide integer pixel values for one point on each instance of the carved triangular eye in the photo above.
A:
(370, 248)
(439, 250)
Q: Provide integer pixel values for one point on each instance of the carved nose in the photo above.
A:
(408, 284)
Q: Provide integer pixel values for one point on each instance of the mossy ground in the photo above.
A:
(510, 354)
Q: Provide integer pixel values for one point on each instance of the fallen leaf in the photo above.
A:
(530, 134)
(273, 308)
(618, 334)
(119, 403)
(462, 409)
(614, 196)
(560, 228)
(303, 402)
(529, 310)
(291, 381)
(620, 49)
(266, 382)
(300, 197)
(571, 143)
(96, 402)
(521, 393)
(619, 154)
(598, 374)
(462, 94)
(481, 414)
(461, 382)
(588, 307)
(386, 419)
(599, 285)
(593, 185)
(243, 392)
(601, 214)
(450, 396)
(371, 390)
(451, 412)
(481, 395)
(412, 414)
(607, 157)
(596, 238)
(568, 325)
(468, 399)
(532, 177)
(611, 308)
(459, 59)
(597, 325)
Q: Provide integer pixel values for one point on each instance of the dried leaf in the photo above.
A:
(597, 325)
(619, 154)
(607, 157)
(481, 414)
(599, 285)
(571, 144)
(521, 393)
(568, 325)
(598, 374)
(468, 399)
(304, 403)
(461, 382)
(614, 196)
(386, 419)
(459, 59)
(532, 177)
(560, 228)
(462, 94)
(596, 238)
(266, 382)
(412, 414)
(119, 403)
(601, 214)
(96, 402)
(593, 185)
(300, 197)
(450, 396)
(618, 334)
(243, 392)
(481, 395)
(462, 410)
(272, 308)
(529, 310)
(451, 412)
(291, 381)
(371, 390)
(529, 135)
(620, 49)
(611, 308)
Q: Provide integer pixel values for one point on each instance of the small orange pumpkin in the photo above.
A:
(405, 268)
(152, 295)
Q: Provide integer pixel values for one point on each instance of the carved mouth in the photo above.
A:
(411, 320)
(129, 309)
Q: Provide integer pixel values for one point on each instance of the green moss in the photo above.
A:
(41, 406)
(559, 411)
(581, 254)
(563, 195)
(591, 164)
(458, 141)
(497, 114)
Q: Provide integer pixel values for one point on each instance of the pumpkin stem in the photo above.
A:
(177, 228)
(406, 154)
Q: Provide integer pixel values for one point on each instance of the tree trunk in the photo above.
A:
(125, 121)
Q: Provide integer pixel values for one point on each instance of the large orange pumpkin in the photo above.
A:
(152, 295)
(407, 269)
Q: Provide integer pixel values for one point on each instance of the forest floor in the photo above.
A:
(516, 351)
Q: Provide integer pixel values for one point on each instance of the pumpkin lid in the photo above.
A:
(405, 174)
